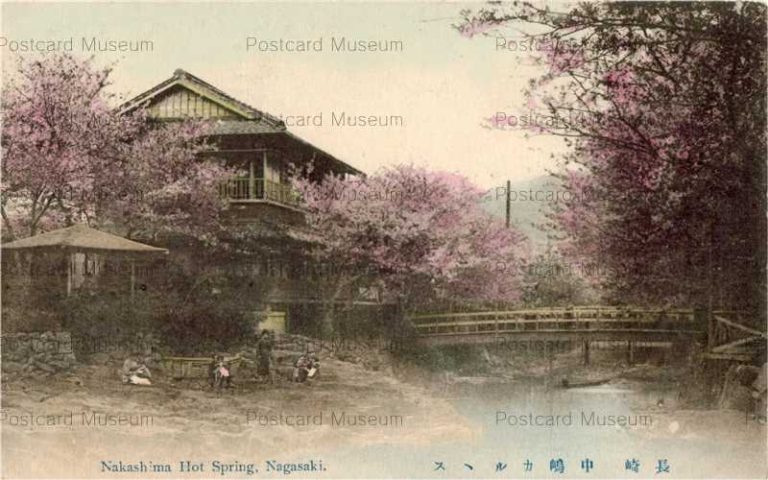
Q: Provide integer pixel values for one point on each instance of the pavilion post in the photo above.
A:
(585, 351)
(133, 277)
(68, 257)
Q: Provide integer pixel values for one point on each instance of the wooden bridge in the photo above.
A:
(723, 330)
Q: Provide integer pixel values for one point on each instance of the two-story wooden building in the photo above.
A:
(262, 149)
(253, 141)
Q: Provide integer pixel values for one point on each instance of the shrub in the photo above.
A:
(202, 326)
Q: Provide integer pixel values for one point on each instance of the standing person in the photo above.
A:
(264, 348)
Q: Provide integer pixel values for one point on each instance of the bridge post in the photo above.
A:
(585, 350)
(585, 341)
(710, 328)
(630, 352)
(550, 356)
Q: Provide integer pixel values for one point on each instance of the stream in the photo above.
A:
(617, 430)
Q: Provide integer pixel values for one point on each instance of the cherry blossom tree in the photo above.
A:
(415, 234)
(667, 168)
(69, 156)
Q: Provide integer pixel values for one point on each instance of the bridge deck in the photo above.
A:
(584, 323)
(728, 336)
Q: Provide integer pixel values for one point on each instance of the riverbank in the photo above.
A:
(384, 418)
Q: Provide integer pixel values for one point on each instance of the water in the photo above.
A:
(532, 423)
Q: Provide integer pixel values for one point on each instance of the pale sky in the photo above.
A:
(441, 84)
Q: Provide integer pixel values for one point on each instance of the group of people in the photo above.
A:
(136, 372)
(305, 367)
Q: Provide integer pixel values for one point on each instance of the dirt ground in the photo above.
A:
(188, 420)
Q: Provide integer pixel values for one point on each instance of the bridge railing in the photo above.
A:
(556, 320)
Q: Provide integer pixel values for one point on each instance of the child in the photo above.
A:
(219, 373)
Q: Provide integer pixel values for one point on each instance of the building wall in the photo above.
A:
(182, 103)
(241, 212)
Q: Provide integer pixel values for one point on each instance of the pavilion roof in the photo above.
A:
(82, 237)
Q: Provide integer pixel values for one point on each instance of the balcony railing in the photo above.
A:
(245, 188)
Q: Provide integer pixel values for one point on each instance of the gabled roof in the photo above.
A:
(206, 90)
(248, 120)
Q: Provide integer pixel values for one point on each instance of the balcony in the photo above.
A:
(249, 189)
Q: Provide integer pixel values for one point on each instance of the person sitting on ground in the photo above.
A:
(301, 369)
(754, 379)
(135, 371)
(314, 366)
(219, 373)
(306, 367)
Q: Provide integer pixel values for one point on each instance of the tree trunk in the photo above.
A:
(327, 324)
(329, 312)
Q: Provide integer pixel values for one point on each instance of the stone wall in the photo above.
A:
(32, 354)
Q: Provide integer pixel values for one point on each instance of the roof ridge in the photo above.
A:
(183, 74)
(276, 123)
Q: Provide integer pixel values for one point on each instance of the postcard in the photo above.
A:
(372, 240)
